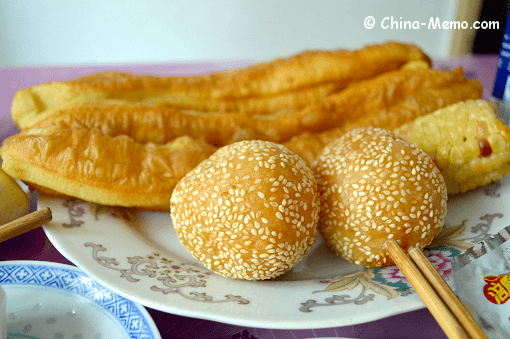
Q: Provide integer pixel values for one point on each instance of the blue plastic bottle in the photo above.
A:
(501, 92)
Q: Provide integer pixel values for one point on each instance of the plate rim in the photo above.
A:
(270, 324)
(316, 322)
(231, 319)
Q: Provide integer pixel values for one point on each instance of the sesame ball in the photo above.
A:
(248, 212)
(375, 186)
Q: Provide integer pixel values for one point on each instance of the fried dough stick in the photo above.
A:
(119, 170)
(292, 82)
(309, 145)
(89, 165)
(316, 67)
(162, 124)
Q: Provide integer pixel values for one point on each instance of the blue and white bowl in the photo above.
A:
(49, 300)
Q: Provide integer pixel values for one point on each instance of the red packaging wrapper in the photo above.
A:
(482, 282)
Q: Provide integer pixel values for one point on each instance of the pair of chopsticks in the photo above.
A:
(25, 223)
(442, 303)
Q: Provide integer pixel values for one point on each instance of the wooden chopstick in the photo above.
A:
(25, 223)
(444, 317)
(446, 294)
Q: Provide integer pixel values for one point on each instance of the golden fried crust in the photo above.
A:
(253, 194)
(101, 129)
(368, 96)
(73, 151)
(90, 165)
(263, 88)
(163, 124)
(315, 67)
(29, 101)
(14, 202)
(310, 145)
(375, 186)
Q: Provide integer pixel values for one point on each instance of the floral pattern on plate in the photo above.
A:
(390, 281)
(174, 277)
(137, 252)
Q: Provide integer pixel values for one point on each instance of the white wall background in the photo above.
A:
(53, 32)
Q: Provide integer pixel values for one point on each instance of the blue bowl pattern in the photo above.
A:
(129, 314)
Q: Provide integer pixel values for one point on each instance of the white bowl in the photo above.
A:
(49, 300)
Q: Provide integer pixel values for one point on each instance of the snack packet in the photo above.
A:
(482, 282)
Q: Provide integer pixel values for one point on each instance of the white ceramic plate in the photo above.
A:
(49, 300)
(137, 254)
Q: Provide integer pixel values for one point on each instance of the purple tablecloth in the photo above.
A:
(34, 245)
